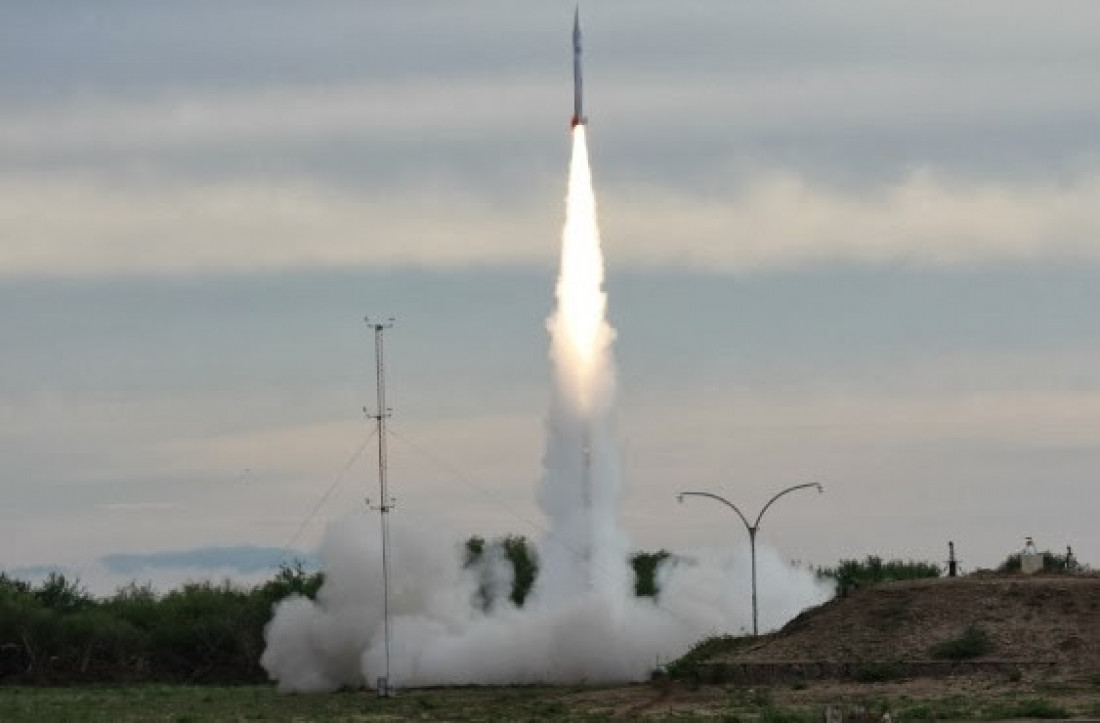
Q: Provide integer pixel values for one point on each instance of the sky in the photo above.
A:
(847, 242)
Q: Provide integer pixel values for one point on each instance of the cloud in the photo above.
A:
(800, 102)
(62, 227)
(210, 118)
(135, 506)
(780, 220)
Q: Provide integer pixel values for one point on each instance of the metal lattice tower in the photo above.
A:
(385, 502)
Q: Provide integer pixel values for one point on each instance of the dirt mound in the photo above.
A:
(1048, 620)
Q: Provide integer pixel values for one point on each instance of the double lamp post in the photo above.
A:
(752, 529)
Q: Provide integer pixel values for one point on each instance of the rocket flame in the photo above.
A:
(580, 486)
(579, 329)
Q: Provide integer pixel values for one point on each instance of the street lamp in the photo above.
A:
(752, 529)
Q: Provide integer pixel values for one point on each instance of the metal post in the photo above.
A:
(752, 530)
(385, 503)
(752, 553)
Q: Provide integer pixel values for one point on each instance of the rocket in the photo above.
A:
(578, 108)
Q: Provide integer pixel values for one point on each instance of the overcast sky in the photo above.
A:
(854, 243)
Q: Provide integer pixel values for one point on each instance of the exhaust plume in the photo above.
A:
(581, 622)
(580, 486)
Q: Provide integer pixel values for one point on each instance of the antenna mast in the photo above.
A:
(385, 502)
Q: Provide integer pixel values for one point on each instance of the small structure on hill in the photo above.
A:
(1031, 560)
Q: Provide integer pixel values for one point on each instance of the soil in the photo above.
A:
(1046, 620)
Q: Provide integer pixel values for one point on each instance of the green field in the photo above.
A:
(251, 703)
(957, 699)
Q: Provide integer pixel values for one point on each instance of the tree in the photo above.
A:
(519, 553)
(645, 566)
(62, 595)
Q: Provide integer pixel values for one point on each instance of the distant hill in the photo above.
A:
(240, 558)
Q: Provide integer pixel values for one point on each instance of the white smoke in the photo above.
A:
(455, 625)
(580, 486)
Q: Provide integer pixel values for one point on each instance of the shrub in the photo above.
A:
(645, 566)
(11, 587)
(1031, 708)
(877, 672)
(686, 666)
(518, 551)
(208, 631)
(291, 579)
(96, 643)
(1052, 562)
(475, 547)
(772, 714)
(851, 575)
(973, 642)
(525, 565)
(56, 632)
(62, 595)
(136, 604)
(944, 709)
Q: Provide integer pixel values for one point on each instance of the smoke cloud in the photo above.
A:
(581, 622)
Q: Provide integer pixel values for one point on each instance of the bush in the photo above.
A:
(62, 595)
(645, 566)
(291, 579)
(56, 632)
(11, 587)
(519, 552)
(973, 642)
(943, 709)
(772, 714)
(135, 604)
(1032, 708)
(95, 644)
(851, 575)
(686, 666)
(208, 631)
(525, 565)
(1059, 564)
(877, 672)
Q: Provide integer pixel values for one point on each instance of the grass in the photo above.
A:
(784, 715)
(704, 651)
(974, 708)
(177, 704)
(1031, 708)
(946, 709)
(759, 704)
